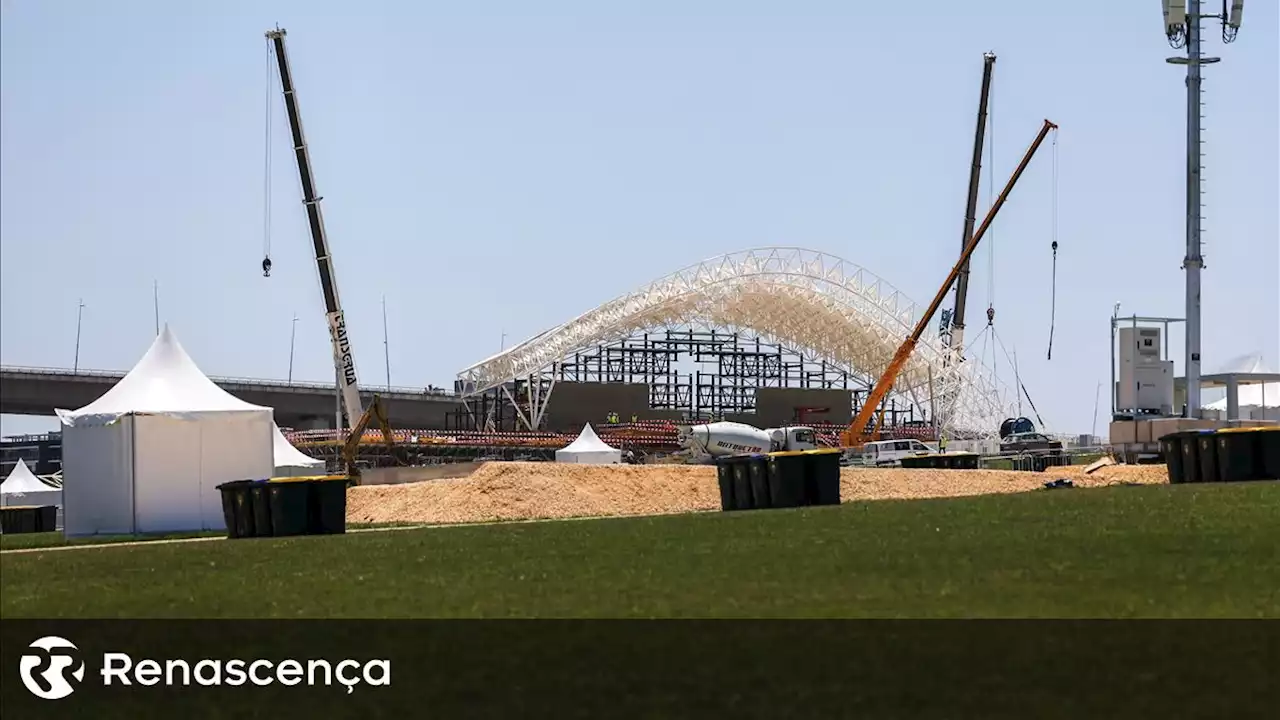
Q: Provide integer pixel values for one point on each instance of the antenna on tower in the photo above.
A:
(1175, 20)
(1231, 19)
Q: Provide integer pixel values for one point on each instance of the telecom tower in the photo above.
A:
(1182, 27)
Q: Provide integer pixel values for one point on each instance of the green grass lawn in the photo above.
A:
(1154, 551)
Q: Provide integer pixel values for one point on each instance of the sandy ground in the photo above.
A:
(527, 491)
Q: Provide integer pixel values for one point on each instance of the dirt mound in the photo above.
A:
(528, 491)
(881, 484)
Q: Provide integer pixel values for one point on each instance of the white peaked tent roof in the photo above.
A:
(22, 480)
(166, 381)
(1253, 394)
(286, 455)
(1250, 363)
(588, 441)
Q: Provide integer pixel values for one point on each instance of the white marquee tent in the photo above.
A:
(289, 461)
(588, 448)
(22, 487)
(1258, 401)
(148, 455)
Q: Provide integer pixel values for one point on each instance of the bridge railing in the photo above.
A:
(299, 384)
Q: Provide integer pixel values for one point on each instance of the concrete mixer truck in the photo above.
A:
(707, 442)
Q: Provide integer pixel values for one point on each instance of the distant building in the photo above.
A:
(42, 453)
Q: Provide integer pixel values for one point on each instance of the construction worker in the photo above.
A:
(612, 418)
(634, 417)
(942, 444)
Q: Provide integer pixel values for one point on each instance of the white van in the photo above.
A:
(887, 453)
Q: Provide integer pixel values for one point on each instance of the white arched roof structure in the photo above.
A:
(818, 305)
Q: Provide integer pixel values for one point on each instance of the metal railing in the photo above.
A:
(221, 380)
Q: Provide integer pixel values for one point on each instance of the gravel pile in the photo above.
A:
(530, 491)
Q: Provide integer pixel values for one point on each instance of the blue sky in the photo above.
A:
(491, 169)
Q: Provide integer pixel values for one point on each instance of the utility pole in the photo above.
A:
(1097, 394)
(1018, 380)
(155, 303)
(386, 349)
(293, 333)
(1182, 28)
(75, 367)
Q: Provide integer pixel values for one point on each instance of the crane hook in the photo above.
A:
(266, 266)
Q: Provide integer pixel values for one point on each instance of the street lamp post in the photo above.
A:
(75, 367)
(293, 332)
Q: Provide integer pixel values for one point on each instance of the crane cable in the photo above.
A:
(1053, 283)
(991, 196)
(991, 238)
(266, 174)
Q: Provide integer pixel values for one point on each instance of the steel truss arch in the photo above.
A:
(818, 305)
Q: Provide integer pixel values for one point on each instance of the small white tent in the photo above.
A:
(148, 455)
(22, 487)
(1258, 401)
(289, 461)
(588, 448)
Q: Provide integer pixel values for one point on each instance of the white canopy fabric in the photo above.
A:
(289, 460)
(1260, 401)
(148, 455)
(590, 449)
(166, 381)
(22, 487)
(1250, 363)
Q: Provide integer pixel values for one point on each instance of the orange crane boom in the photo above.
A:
(856, 434)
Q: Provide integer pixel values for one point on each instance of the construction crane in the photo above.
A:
(857, 433)
(953, 338)
(344, 360)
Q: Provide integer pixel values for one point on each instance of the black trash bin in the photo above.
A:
(786, 479)
(1191, 456)
(1207, 443)
(1171, 449)
(328, 499)
(18, 519)
(47, 518)
(290, 505)
(758, 476)
(724, 474)
(742, 497)
(260, 503)
(1239, 454)
(237, 508)
(822, 476)
(1269, 450)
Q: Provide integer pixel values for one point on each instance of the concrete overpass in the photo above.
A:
(37, 391)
